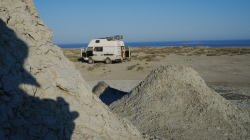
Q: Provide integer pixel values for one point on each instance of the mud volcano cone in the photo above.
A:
(174, 102)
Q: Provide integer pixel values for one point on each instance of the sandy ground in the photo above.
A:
(228, 75)
(217, 71)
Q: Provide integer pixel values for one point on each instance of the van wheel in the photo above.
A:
(108, 60)
(91, 61)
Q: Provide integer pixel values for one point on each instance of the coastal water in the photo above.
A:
(217, 43)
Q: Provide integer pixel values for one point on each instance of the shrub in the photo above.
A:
(149, 57)
(131, 67)
(134, 57)
(141, 58)
(91, 68)
(72, 55)
(140, 68)
(97, 65)
(162, 55)
(214, 54)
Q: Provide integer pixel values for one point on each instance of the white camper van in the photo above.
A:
(106, 49)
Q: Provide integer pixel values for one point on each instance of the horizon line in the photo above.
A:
(164, 41)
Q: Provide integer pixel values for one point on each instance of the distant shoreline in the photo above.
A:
(173, 46)
(217, 43)
(69, 48)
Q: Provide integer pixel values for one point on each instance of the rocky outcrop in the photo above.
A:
(42, 95)
(107, 94)
(174, 102)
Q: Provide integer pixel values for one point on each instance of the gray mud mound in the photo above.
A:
(174, 102)
(106, 93)
(42, 95)
(243, 104)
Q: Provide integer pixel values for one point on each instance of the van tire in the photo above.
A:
(108, 60)
(91, 61)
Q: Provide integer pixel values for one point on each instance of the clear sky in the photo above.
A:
(80, 21)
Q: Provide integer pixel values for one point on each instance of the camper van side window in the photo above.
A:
(97, 41)
(98, 49)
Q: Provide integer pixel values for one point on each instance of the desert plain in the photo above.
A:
(226, 70)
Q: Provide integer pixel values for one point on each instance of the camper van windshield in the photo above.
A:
(90, 49)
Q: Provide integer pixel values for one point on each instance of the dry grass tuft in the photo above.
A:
(189, 51)
(140, 68)
(131, 67)
(72, 55)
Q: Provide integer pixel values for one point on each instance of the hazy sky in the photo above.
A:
(79, 21)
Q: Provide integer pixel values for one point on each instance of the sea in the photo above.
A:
(213, 43)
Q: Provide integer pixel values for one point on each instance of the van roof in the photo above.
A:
(105, 42)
